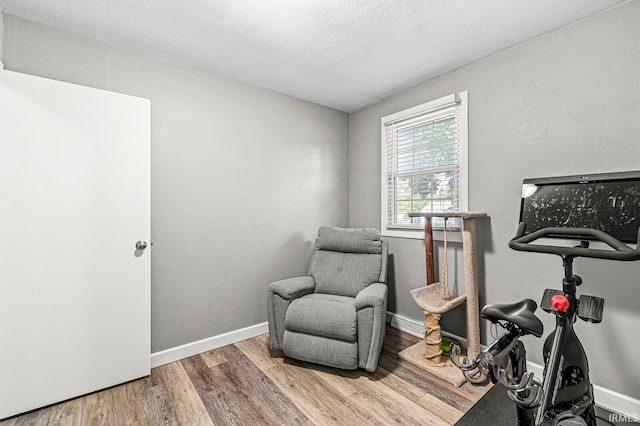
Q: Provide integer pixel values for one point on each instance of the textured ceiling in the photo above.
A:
(345, 54)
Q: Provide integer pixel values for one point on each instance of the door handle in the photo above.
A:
(141, 245)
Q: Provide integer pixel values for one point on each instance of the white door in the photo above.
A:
(74, 201)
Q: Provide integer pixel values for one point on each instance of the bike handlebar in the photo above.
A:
(621, 251)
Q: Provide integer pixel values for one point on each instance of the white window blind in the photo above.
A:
(422, 165)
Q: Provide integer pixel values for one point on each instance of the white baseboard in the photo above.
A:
(413, 327)
(204, 345)
(606, 398)
(416, 328)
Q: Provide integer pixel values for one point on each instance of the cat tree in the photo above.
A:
(435, 300)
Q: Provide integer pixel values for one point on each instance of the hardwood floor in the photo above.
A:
(249, 384)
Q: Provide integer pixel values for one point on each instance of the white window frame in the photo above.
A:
(459, 99)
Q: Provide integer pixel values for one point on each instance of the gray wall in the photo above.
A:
(241, 177)
(565, 103)
(1, 33)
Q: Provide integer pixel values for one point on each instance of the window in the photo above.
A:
(424, 164)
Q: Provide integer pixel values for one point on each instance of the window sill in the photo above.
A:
(453, 236)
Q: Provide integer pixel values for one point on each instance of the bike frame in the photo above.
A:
(561, 346)
(566, 392)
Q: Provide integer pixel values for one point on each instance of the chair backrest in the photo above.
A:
(347, 260)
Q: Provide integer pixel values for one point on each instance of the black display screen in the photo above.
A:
(607, 202)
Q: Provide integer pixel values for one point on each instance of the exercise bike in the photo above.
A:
(565, 395)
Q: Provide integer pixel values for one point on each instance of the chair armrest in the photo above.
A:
(371, 306)
(279, 296)
(374, 295)
(292, 288)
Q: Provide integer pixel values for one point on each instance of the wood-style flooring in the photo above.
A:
(249, 384)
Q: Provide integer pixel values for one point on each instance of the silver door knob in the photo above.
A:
(141, 245)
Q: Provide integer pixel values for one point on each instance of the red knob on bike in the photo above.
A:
(560, 302)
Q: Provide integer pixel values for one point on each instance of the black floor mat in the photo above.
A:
(496, 409)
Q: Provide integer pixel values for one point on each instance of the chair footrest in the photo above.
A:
(321, 350)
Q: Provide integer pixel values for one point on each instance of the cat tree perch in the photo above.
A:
(435, 300)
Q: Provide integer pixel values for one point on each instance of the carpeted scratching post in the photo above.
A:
(435, 300)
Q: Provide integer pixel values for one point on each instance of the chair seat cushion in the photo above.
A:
(323, 315)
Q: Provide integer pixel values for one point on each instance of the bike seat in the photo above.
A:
(519, 313)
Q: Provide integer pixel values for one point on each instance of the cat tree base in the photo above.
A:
(445, 369)
(434, 302)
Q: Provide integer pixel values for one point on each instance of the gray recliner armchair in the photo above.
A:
(336, 315)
